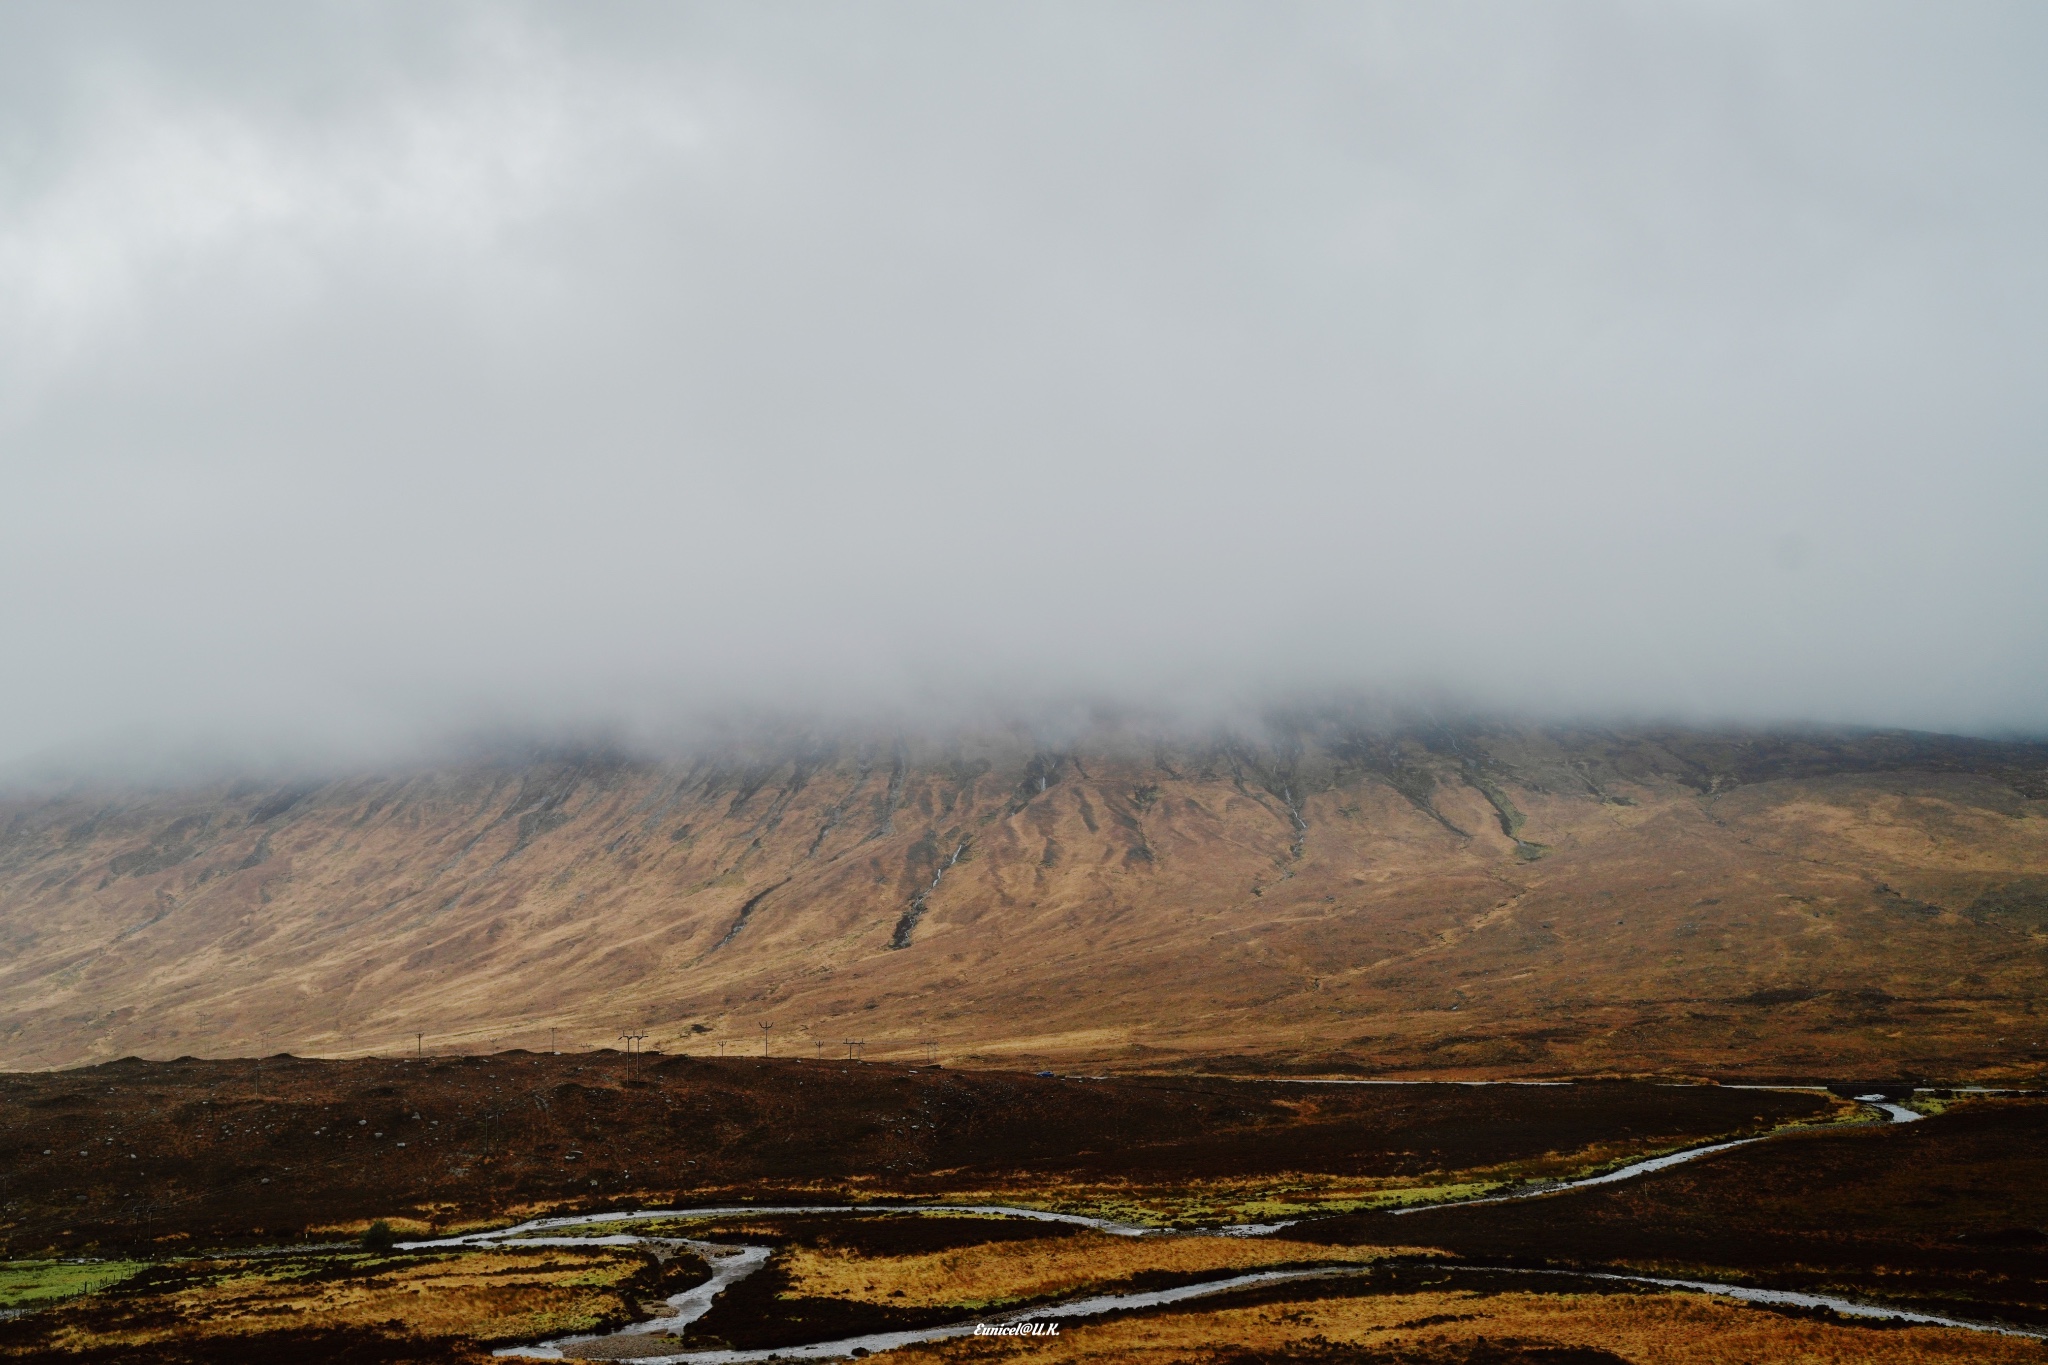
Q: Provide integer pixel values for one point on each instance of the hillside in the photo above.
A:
(1430, 901)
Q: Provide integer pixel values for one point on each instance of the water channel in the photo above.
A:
(653, 1342)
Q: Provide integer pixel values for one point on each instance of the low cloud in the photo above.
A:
(370, 374)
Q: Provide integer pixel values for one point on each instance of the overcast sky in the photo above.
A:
(374, 371)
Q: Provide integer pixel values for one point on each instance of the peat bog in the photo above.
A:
(226, 1205)
(230, 1153)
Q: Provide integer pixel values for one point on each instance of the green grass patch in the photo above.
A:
(1438, 1194)
(24, 1284)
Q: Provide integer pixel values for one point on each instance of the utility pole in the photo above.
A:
(764, 1038)
(419, 1046)
(853, 1045)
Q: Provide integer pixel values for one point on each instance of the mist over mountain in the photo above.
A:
(1413, 897)
(981, 667)
(372, 376)
(922, 516)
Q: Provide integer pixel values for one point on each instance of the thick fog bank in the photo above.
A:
(375, 373)
(1270, 732)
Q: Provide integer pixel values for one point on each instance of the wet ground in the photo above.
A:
(196, 1167)
(233, 1154)
(1950, 1215)
(750, 1310)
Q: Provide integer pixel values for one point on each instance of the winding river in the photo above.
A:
(649, 1342)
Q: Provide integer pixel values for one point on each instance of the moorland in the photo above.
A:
(1434, 1043)
(357, 1210)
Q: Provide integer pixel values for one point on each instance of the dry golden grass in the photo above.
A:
(1269, 906)
(355, 1227)
(1005, 1272)
(1657, 1329)
(486, 1297)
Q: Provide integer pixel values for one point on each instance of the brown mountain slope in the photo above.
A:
(1435, 902)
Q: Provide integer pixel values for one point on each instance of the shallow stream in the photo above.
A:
(729, 1263)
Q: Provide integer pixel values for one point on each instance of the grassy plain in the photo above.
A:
(1482, 1325)
(205, 1262)
(333, 1305)
(156, 1155)
(994, 1275)
(29, 1283)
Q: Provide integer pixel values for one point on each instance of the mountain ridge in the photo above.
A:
(1447, 898)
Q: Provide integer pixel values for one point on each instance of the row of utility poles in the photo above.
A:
(632, 1042)
(855, 1047)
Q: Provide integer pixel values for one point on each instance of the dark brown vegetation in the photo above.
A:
(328, 1345)
(130, 1154)
(226, 1165)
(346, 1306)
(1334, 900)
(764, 1310)
(1949, 1215)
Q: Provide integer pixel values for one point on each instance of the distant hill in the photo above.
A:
(1423, 900)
